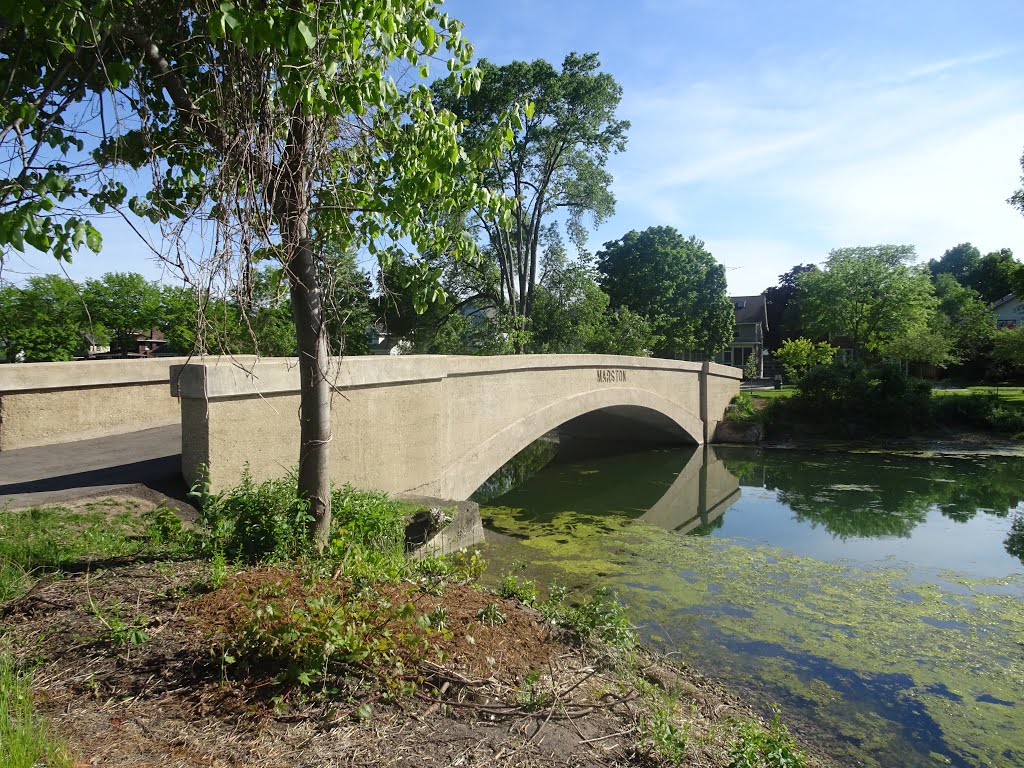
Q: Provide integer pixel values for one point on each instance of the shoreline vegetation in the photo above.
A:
(130, 636)
(852, 402)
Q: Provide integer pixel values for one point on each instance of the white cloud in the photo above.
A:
(753, 265)
(925, 156)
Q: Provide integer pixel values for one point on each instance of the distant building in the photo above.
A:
(383, 343)
(136, 344)
(1009, 311)
(751, 315)
(748, 334)
(93, 346)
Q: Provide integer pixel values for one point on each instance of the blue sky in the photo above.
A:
(776, 131)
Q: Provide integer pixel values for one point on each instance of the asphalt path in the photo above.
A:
(146, 463)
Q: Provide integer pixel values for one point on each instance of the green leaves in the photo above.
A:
(675, 283)
(301, 37)
(799, 355)
(227, 17)
(871, 294)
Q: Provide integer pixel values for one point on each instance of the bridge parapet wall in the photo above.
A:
(47, 403)
(433, 425)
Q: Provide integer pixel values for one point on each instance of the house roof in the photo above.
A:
(750, 309)
(1005, 300)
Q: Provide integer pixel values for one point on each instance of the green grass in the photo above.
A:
(788, 390)
(1011, 396)
(25, 739)
(43, 540)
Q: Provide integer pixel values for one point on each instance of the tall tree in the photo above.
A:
(966, 319)
(993, 275)
(997, 275)
(961, 261)
(260, 318)
(556, 162)
(257, 118)
(178, 318)
(348, 304)
(872, 295)
(675, 283)
(42, 321)
(783, 311)
(1008, 351)
(125, 303)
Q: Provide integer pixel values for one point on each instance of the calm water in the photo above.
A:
(876, 597)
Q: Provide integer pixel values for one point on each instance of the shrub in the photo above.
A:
(310, 632)
(512, 588)
(601, 618)
(662, 735)
(798, 356)
(876, 397)
(741, 408)
(759, 747)
(268, 522)
(255, 522)
(978, 411)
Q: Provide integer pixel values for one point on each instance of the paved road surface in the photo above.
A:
(150, 458)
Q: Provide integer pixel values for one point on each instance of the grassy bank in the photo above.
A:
(852, 401)
(230, 640)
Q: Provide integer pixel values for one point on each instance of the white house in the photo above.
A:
(1009, 311)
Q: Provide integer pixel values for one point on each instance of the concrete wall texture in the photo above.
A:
(432, 425)
(47, 403)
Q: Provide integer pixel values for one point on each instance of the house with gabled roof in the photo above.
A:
(751, 322)
(1009, 311)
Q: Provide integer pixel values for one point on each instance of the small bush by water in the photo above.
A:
(759, 747)
(984, 411)
(268, 522)
(876, 398)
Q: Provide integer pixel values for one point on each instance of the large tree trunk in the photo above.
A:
(315, 397)
(311, 334)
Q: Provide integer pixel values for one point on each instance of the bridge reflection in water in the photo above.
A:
(679, 489)
(701, 493)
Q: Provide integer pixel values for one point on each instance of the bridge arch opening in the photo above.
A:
(632, 417)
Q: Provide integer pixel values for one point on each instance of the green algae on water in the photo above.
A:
(883, 657)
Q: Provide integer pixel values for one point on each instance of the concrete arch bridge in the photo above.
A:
(438, 425)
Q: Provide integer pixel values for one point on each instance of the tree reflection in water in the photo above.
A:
(874, 495)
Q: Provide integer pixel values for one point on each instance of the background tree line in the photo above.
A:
(878, 303)
(52, 318)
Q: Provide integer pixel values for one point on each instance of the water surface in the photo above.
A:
(876, 597)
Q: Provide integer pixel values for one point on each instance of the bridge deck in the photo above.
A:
(150, 458)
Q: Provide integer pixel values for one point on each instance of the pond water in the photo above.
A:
(876, 597)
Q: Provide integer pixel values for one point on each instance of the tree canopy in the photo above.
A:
(993, 275)
(41, 321)
(261, 123)
(555, 162)
(675, 283)
(872, 295)
(782, 309)
(799, 355)
(572, 315)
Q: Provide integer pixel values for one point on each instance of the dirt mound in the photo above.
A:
(501, 694)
